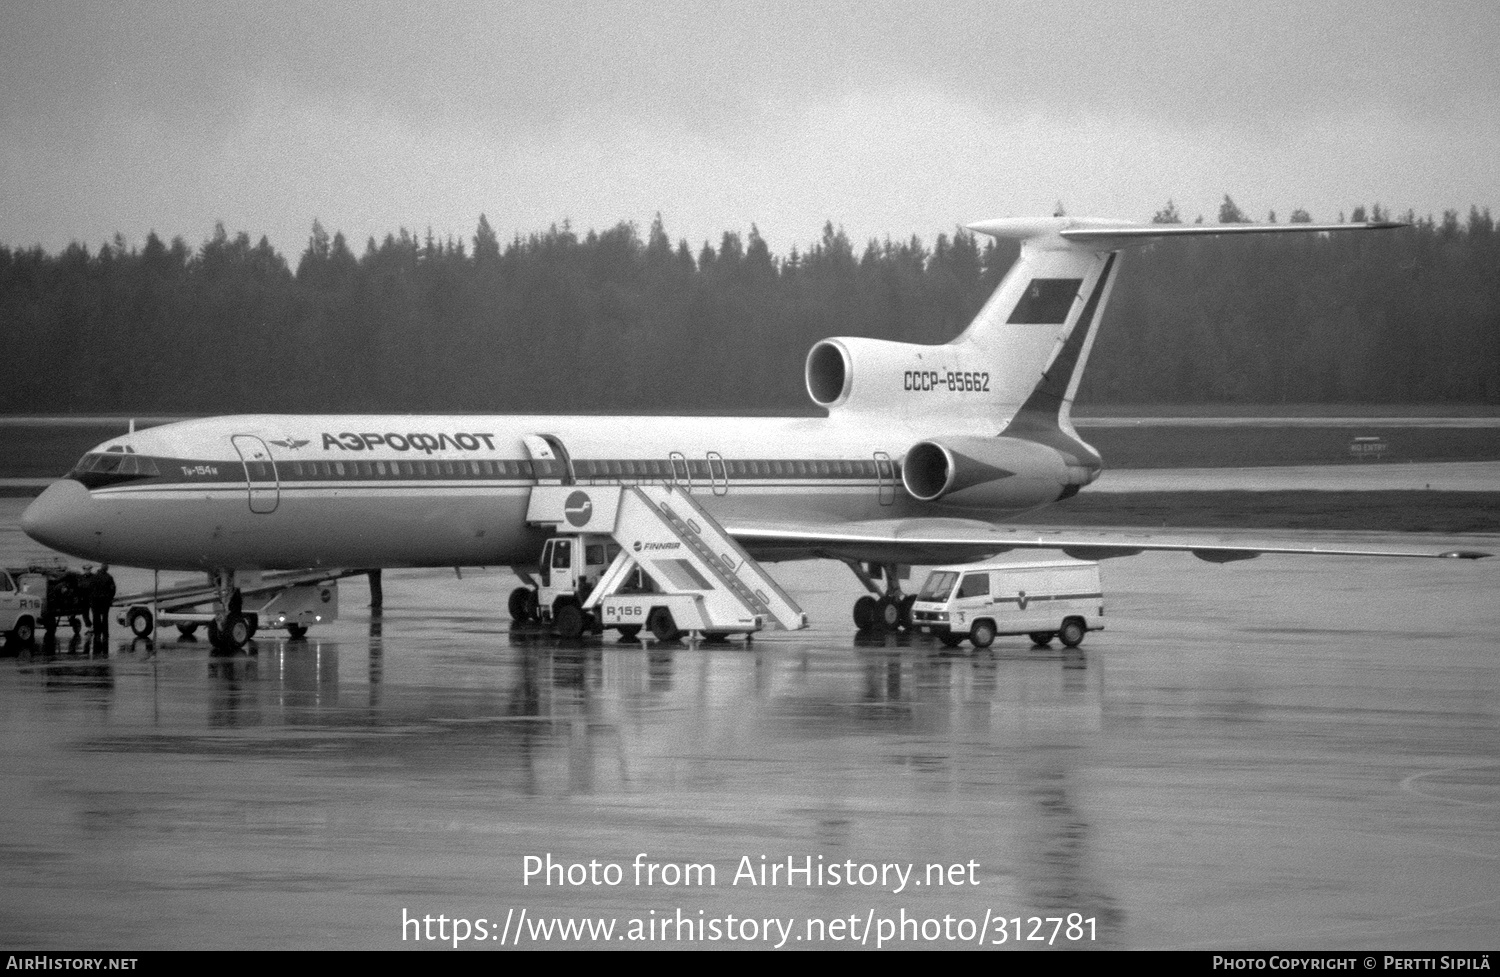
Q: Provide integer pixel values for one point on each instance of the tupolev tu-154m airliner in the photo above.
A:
(921, 448)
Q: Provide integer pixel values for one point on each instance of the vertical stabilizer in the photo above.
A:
(1040, 324)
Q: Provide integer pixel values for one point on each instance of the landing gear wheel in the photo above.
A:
(951, 640)
(567, 621)
(296, 630)
(982, 634)
(888, 613)
(866, 612)
(522, 604)
(906, 603)
(187, 630)
(141, 622)
(1072, 632)
(1041, 638)
(629, 632)
(662, 625)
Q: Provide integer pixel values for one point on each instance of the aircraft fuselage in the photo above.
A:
(285, 492)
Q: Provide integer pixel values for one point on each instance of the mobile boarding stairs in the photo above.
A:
(696, 577)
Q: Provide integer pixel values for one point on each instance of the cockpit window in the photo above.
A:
(104, 467)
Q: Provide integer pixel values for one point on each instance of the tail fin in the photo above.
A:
(1016, 368)
(1039, 326)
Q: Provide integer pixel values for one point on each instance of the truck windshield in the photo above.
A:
(939, 585)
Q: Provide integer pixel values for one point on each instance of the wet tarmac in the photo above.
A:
(1282, 753)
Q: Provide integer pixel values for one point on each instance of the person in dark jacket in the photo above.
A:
(101, 599)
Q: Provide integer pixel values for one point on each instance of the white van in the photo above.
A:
(1058, 598)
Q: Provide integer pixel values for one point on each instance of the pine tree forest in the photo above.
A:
(619, 320)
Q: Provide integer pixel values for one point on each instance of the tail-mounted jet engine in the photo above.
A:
(856, 374)
(992, 473)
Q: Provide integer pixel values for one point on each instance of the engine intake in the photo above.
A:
(830, 368)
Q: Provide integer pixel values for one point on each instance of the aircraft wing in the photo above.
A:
(926, 541)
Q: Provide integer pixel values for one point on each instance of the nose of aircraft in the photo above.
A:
(59, 519)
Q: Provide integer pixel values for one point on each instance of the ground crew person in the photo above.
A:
(82, 585)
(101, 598)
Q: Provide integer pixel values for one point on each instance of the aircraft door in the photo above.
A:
(550, 462)
(886, 472)
(261, 480)
(718, 474)
(682, 472)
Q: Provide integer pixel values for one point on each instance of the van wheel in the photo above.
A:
(1072, 632)
(1041, 638)
(866, 612)
(24, 632)
(982, 634)
(141, 624)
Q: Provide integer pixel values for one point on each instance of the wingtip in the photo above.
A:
(1465, 555)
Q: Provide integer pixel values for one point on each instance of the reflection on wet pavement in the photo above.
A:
(1273, 754)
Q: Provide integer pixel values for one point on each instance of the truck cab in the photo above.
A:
(571, 566)
(20, 609)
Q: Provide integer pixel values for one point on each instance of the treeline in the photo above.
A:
(613, 320)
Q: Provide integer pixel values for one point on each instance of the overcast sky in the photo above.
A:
(888, 118)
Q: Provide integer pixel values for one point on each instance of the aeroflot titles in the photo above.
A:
(349, 441)
(959, 383)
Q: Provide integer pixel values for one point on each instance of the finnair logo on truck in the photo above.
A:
(579, 508)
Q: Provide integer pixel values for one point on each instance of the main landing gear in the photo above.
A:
(885, 609)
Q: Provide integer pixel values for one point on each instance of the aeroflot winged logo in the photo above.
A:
(291, 444)
(578, 508)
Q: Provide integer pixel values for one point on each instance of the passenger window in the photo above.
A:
(975, 585)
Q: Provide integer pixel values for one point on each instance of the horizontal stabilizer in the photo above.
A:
(1109, 235)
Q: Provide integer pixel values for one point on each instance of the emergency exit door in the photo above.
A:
(261, 481)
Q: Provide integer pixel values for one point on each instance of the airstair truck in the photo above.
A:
(672, 569)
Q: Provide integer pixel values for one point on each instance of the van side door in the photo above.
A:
(971, 599)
